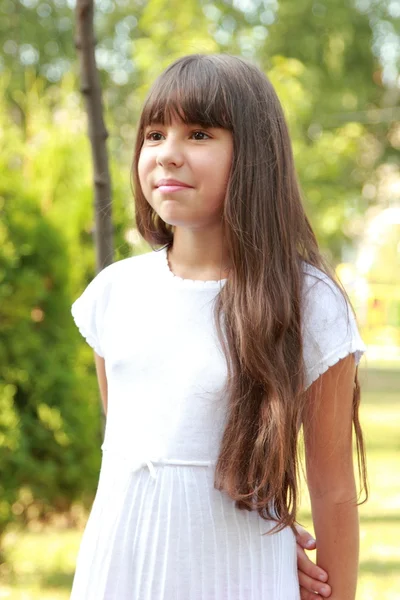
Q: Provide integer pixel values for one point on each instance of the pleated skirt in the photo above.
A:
(172, 536)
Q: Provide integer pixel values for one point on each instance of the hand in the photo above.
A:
(312, 579)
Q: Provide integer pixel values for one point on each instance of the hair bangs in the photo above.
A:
(191, 92)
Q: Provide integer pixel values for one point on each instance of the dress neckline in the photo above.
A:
(188, 283)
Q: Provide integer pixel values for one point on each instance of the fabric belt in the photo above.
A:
(150, 464)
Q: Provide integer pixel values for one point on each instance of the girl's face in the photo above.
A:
(184, 171)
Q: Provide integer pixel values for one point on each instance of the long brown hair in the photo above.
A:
(258, 312)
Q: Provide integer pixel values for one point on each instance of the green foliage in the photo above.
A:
(50, 429)
(336, 49)
(44, 441)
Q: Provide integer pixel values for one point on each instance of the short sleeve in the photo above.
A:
(330, 330)
(89, 309)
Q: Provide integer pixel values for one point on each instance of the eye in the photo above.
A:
(154, 136)
(200, 135)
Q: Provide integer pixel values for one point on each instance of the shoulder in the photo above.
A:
(118, 278)
(128, 269)
(138, 262)
(105, 295)
(321, 296)
(316, 281)
(324, 303)
(329, 326)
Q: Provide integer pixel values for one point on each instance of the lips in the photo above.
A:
(173, 183)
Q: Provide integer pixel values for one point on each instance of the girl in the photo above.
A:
(212, 351)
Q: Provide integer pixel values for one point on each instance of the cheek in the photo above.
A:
(228, 161)
(221, 168)
(144, 168)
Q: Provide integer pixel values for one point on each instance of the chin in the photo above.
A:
(169, 214)
(175, 221)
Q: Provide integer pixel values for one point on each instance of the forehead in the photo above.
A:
(172, 114)
(187, 102)
(177, 122)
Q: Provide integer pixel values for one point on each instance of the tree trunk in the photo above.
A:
(91, 90)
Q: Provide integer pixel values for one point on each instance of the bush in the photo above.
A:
(49, 430)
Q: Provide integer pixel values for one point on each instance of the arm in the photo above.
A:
(327, 424)
(102, 379)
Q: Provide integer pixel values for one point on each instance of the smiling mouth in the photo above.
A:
(172, 188)
(170, 182)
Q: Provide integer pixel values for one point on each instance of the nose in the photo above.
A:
(170, 153)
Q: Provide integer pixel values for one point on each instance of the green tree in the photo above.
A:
(44, 444)
(49, 428)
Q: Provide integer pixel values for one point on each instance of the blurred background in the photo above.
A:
(335, 66)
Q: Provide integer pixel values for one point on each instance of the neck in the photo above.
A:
(197, 254)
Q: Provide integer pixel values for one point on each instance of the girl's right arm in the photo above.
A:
(102, 379)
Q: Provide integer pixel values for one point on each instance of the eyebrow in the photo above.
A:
(186, 125)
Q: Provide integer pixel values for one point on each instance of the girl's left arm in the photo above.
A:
(327, 424)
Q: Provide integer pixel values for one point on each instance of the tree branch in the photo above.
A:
(91, 90)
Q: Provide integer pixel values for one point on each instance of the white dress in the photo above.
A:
(158, 530)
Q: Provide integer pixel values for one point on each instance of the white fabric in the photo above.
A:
(158, 529)
(329, 328)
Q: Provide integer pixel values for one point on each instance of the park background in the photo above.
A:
(335, 66)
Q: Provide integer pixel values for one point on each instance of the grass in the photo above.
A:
(40, 565)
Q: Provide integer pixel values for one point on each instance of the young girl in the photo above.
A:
(212, 351)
